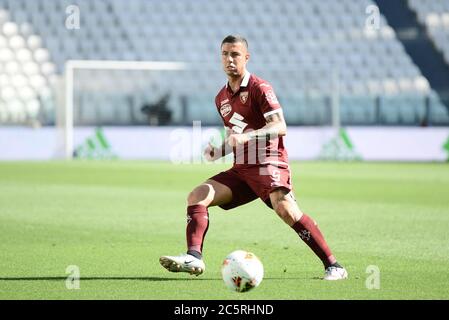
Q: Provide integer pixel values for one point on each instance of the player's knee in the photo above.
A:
(282, 208)
(201, 195)
(287, 211)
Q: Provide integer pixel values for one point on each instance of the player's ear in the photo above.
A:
(247, 55)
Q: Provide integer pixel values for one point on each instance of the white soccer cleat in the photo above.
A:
(183, 263)
(335, 273)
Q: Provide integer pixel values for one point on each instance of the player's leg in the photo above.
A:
(272, 183)
(210, 193)
(226, 190)
(286, 207)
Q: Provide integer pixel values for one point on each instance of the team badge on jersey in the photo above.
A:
(225, 110)
(244, 96)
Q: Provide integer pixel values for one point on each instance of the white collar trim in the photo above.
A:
(245, 80)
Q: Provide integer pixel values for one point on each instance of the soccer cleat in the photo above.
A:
(335, 273)
(183, 263)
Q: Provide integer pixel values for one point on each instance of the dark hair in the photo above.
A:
(235, 39)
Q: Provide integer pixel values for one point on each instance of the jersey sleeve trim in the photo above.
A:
(272, 112)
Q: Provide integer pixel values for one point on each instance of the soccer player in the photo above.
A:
(255, 128)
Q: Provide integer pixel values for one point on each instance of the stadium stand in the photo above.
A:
(299, 46)
(435, 16)
(26, 72)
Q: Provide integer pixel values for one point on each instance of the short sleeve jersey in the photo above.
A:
(246, 110)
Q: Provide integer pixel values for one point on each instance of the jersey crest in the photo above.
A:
(244, 96)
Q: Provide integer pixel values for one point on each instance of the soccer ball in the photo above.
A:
(242, 271)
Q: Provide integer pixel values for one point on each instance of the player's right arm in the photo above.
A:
(212, 153)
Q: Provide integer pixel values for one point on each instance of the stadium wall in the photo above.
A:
(184, 144)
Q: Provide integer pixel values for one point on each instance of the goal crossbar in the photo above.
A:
(72, 65)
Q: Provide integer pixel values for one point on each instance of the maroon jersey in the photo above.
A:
(246, 110)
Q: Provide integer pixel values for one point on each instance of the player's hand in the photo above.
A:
(210, 153)
(237, 139)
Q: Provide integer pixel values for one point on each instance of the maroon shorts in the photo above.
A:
(248, 183)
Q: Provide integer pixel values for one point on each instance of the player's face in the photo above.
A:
(234, 57)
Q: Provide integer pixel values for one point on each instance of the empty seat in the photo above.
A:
(305, 40)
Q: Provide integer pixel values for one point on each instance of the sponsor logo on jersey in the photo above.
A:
(271, 97)
(224, 101)
(244, 96)
(225, 110)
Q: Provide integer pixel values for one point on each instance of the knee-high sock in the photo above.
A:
(308, 231)
(197, 225)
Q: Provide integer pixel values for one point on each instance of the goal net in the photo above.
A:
(114, 93)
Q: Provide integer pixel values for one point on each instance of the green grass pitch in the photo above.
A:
(114, 219)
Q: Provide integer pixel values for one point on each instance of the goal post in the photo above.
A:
(335, 101)
(66, 118)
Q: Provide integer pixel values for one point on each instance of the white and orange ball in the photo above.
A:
(242, 271)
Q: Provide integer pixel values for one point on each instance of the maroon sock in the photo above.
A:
(197, 225)
(308, 231)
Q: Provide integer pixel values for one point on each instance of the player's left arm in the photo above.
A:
(275, 127)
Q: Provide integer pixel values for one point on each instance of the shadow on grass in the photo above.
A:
(102, 278)
(128, 279)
